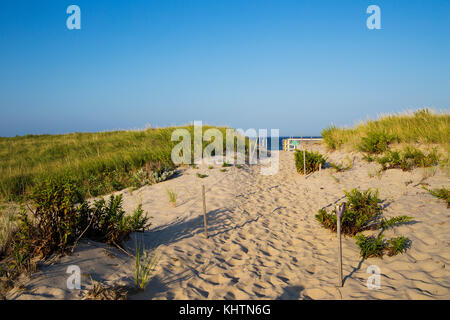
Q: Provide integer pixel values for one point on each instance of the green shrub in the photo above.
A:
(201, 176)
(395, 221)
(362, 212)
(376, 246)
(225, 165)
(411, 157)
(375, 142)
(370, 246)
(109, 223)
(22, 243)
(57, 203)
(312, 159)
(398, 245)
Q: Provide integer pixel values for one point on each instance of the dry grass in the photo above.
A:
(172, 197)
(420, 127)
(100, 163)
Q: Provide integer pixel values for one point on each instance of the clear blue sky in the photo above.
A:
(293, 65)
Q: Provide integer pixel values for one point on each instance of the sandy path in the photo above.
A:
(264, 241)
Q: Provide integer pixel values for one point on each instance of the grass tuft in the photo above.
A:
(442, 193)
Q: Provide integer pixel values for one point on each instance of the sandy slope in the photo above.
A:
(264, 241)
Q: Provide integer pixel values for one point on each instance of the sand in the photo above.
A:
(264, 242)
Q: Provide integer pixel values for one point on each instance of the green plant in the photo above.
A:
(408, 159)
(140, 178)
(223, 170)
(201, 176)
(210, 167)
(398, 245)
(375, 142)
(362, 212)
(57, 203)
(370, 246)
(22, 243)
(239, 166)
(341, 167)
(330, 138)
(395, 221)
(369, 158)
(145, 266)
(162, 174)
(442, 193)
(109, 223)
(172, 197)
(7, 229)
(225, 165)
(313, 161)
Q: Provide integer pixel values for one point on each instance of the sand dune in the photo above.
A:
(264, 242)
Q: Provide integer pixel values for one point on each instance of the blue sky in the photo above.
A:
(294, 65)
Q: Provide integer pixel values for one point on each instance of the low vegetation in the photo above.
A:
(362, 213)
(99, 163)
(58, 217)
(373, 247)
(145, 266)
(172, 197)
(442, 193)
(422, 126)
(312, 159)
(201, 176)
(408, 159)
(340, 167)
(377, 137)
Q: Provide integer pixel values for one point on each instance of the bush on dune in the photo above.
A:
(408, 159)
(362, 212)
(313, 161)
(60, 216)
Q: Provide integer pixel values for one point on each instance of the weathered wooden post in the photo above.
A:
(320, 167)
(339, 212)
(204, 211)
(304, 161)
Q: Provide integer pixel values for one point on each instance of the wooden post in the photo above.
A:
(339, 212)
(204, 211)
(320, 167)
(304, 161)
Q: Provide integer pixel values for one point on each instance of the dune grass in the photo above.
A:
(99, 162)
(375, 136)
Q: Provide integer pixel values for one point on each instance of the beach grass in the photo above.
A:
(100, 163)
(375, 136)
